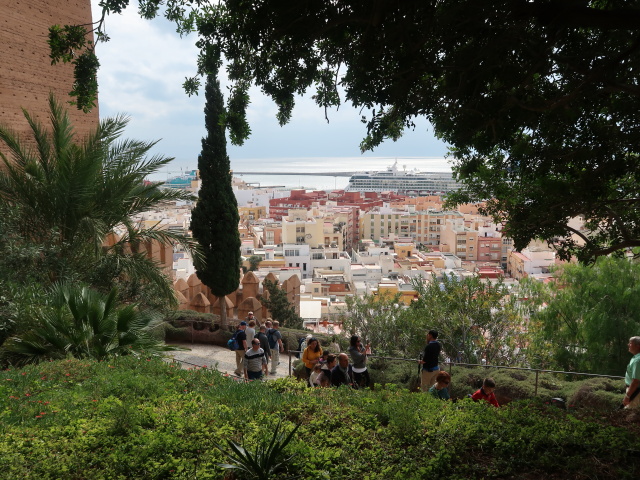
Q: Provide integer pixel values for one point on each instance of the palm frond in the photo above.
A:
(71, 193)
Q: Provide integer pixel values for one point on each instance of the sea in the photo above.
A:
(287, 173)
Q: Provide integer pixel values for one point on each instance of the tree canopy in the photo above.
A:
(587, 318)
(476, 319)
(539, 100)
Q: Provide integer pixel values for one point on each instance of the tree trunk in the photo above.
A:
(224, 323)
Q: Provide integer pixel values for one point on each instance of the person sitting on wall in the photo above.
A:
(324, 379)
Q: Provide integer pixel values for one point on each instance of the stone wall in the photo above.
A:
(26, 73)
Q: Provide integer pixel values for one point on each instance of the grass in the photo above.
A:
(146, 419)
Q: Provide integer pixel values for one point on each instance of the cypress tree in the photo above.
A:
(215, 218)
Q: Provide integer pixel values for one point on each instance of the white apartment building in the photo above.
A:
(298, 255)
(257, 197)
(332, 259)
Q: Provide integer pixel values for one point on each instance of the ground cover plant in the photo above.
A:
(133, 417)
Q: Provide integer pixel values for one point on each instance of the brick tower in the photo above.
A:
(26, 73)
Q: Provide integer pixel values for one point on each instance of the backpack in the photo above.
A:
(232, 343)
(271, 339)
(302, 344)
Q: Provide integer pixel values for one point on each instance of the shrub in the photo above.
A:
(594, 393)
(85, 323)
(143, 418)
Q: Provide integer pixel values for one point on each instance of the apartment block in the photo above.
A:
(533, 260)
(251, 213)
(460, 240)
(299, 227)
(421, 227)
(298, 256)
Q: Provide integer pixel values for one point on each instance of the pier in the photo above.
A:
(311, 174)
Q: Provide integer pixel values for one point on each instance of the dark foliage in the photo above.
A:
(215, 218)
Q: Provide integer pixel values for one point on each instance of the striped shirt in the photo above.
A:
(254, 359)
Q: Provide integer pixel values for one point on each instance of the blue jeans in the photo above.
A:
(254, 375)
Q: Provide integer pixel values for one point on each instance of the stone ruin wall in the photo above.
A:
(26, 73)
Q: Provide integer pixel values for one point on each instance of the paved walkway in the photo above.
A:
(220, 358)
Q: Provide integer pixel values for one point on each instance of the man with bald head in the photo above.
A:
(342, 374)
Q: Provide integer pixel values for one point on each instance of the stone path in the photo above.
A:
(220, 358)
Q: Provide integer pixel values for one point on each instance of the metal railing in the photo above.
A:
(298, 353)
(450, 366)
(537, 371)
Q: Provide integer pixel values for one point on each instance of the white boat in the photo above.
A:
(402, 181)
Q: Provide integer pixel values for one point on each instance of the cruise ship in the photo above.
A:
(411, 182)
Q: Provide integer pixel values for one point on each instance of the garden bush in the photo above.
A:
(602, 394)
(136, 417)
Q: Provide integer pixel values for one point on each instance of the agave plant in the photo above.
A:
(266, 461)
(85, 323)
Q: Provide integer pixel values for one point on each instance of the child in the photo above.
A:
(486, 392)
(440, 389)
(313, 377)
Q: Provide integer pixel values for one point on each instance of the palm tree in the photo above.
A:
(85, 323)
(65, 195)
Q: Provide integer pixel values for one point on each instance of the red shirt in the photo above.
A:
(491, 398)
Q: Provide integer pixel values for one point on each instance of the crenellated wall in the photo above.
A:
(194, 295)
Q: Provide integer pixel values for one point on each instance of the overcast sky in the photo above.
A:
(141, 74)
